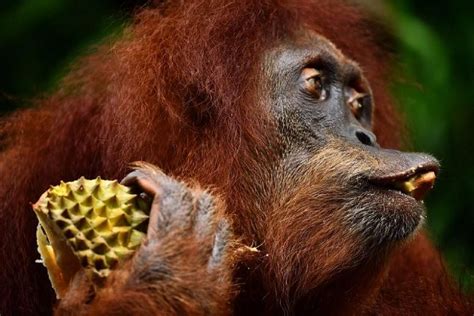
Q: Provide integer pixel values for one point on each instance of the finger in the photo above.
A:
(176, 207)
(152, 230)
(220, 245)
(171, 212)
(172, 204)
(151, 171)
(140, 169)
(142, 181)
(131, 178)
(205, 214)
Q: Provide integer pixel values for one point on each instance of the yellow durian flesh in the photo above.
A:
(60, 271)
(90, 224)
(418, 185)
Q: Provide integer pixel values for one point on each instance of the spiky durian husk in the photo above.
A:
(92, 224)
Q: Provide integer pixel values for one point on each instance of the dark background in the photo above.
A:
(40, 38)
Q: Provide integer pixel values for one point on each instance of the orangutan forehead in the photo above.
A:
(307, 38)
(302, 49)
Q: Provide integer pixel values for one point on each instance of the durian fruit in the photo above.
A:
(88, 224)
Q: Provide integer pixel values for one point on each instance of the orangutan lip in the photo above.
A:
(406, 174)
(415, 182)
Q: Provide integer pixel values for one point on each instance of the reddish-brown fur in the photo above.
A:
(150, 95)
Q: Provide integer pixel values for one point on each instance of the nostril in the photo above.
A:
(364, 138)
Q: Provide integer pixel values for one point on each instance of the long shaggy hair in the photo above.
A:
(178, 90)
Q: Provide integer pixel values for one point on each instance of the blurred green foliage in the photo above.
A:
(40, 38)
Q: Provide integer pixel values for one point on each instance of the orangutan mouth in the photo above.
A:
(415, 182)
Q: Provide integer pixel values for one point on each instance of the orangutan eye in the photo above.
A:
(356, 103)
(313, 83)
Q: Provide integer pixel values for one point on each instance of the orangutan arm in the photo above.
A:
(182, 268)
